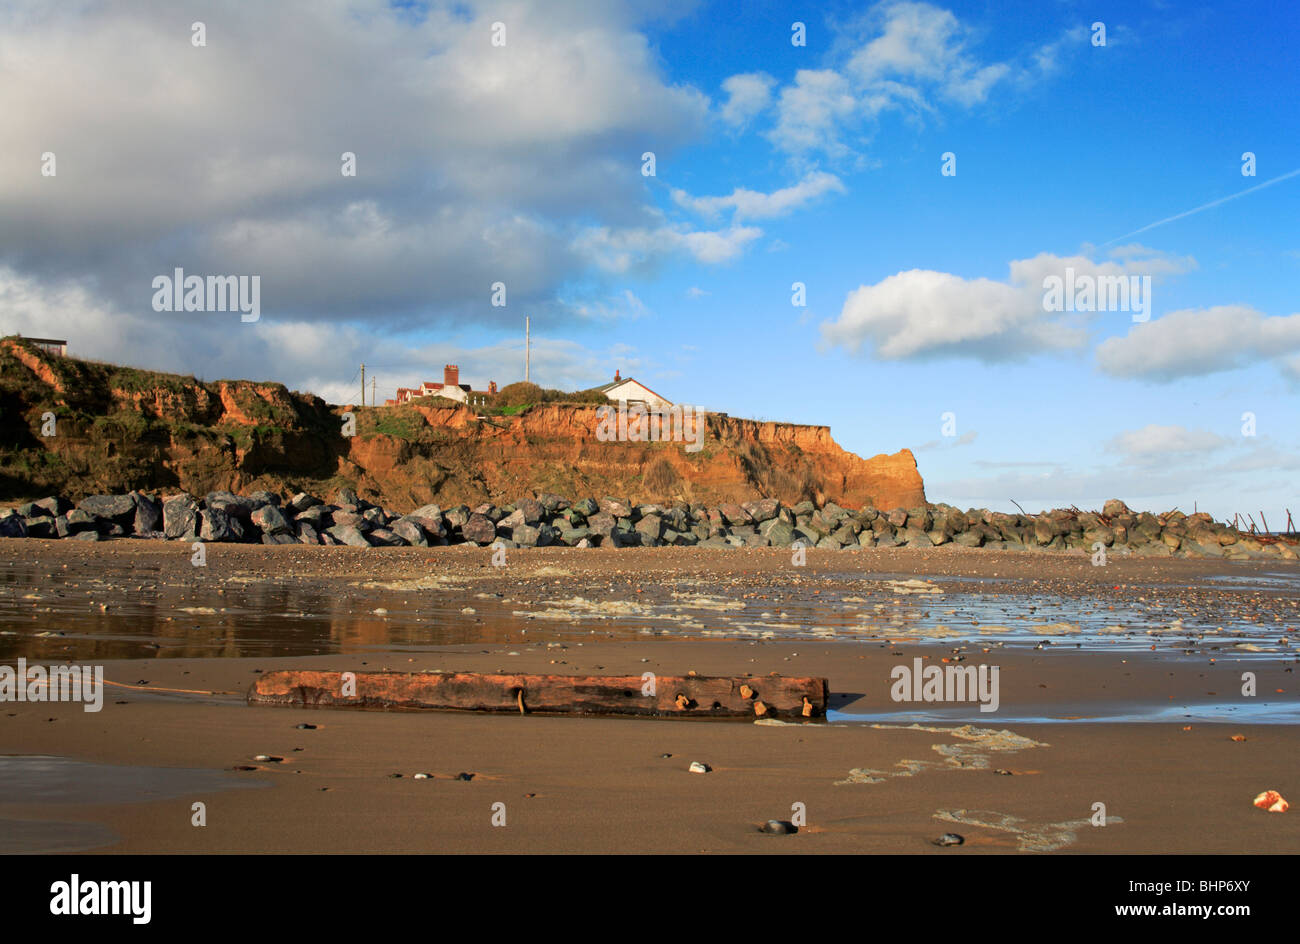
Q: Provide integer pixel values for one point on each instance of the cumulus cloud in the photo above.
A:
(1158, 444)
(754, 205)
(748, 94)
(474, 163)
(624, 250)
(1196, 341)
(906, 56)
(924, 313)
(318, 357)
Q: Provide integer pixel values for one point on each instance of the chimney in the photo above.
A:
(451, 375)
(616, 378)
(492, 387)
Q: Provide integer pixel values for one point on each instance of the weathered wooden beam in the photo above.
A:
(664, 696)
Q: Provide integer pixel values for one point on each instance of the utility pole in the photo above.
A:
(373, 382)
(528, 351)
(363, 384)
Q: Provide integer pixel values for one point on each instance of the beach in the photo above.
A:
(1144, 714)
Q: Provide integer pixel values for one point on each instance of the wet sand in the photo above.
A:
(1169, 783)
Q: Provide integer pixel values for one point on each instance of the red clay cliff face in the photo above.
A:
(460, 457)
(120, 429)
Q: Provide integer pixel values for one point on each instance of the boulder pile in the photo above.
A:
(549, 520)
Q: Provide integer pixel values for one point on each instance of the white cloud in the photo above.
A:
(317, 357)
(748, 94)
(753, 205)
(909, 56)
(920, 313)
(811, 111)
(1193, 342)
(474, 163)
(1157, 444)
(622, 250)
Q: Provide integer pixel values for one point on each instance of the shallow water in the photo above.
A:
(42, 779)
(60, 616)
(1210, 713)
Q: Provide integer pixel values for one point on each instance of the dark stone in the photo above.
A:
(271, 521)
(383, 537)
(181, 516)
(12, 525)
(349, 535)
(54, 506)
(119, 509)
(81, 521)
(219, 525)
(602, 524)
(480, 529)
(409, 529)
(302, 501)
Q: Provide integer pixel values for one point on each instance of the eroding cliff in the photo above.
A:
(117, 429)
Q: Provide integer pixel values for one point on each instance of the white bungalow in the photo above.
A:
(629, 390)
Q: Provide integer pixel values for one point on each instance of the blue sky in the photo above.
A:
(775, 164)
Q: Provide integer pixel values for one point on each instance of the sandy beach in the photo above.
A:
(1147, 718)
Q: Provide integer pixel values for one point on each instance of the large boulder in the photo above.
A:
(118, 509)
(601, 524)
(651, 528)
(12, 525)
(480, 529)
(530, 510)
(617, 507)
(302, 501)
(777, 532)
(349, 535)
(271, 520)
(181, 516)
(219, 524)
(733, 514)
(54, 506)
(409, 529)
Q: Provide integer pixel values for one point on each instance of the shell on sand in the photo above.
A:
(1272, 801)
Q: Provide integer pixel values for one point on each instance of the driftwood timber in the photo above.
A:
(664, 696)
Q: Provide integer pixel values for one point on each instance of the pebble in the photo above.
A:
(777, 827)
(305, 727)
(268, 758)
(463, 776)
(698, 768)
(949, 839)
(420, 777)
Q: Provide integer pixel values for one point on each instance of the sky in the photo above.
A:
(916, 174)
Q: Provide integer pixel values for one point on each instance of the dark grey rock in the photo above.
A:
(271, 520)
(348, 534)
(119, 509)
(217, 524)
(181, 516)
